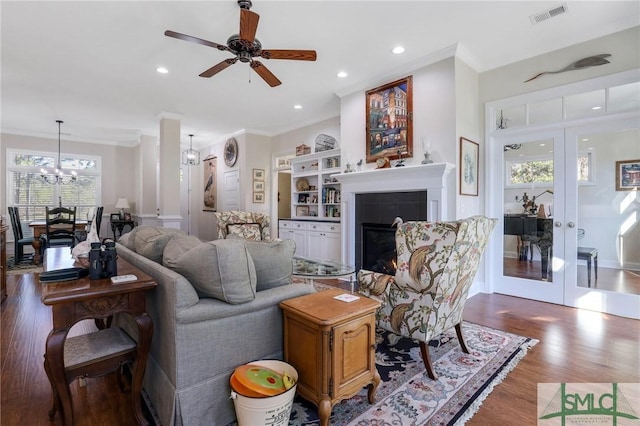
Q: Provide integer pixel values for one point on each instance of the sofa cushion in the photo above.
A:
(149, 241)
(176, 246)
(273, 261)
(222, 269)
(248, 231)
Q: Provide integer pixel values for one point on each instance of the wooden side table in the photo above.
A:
(331, 344)
(120, 225)
(68, 359)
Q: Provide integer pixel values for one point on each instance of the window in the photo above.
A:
(533, 172)
(28, 192)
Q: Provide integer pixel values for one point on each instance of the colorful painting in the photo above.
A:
(210, 184)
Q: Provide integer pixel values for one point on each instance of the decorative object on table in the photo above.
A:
(190, 157)
(469, 155)
(245, 46)
(400, 162)
(230, 152)
(127, 217)
(445, 401)
(359, 165)
(302, 210)
(383, 163)
(58, 177)
(302, 184)
(529, 204)
(302, 150)
(258, 197)
(103, 260)
(348, 168)
(122, 204)
(426, 148)
(115, 217)
(389, 120)
(210, 198)
(628, 175)
(325, 143)
(590, 61)
(258, 174)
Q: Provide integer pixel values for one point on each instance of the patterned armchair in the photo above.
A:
(437, 262)
(248, 225)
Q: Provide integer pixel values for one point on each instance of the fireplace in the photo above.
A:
(379, 248)
(435, 179)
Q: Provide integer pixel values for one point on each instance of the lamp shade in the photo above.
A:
(122, 203)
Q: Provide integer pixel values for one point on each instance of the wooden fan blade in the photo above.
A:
(266, 75)
(218, 67)
(248, 25)
(192, 39)
(299, 55)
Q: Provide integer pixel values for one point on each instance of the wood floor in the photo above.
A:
(575, 346)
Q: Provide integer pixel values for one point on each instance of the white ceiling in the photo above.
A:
(93, 63)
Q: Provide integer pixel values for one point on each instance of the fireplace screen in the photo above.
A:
(378, 248)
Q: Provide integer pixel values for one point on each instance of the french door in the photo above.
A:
(557, 193)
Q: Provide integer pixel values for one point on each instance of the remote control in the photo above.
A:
(119, 279)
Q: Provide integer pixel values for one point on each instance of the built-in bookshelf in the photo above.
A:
(314, 193)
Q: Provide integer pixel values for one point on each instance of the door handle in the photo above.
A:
(571, 225)
(557, 224)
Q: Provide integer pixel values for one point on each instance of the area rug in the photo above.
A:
(406, 395)
(25, 267)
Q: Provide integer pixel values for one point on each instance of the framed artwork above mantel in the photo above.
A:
(389, 116)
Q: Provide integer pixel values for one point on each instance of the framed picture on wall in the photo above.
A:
(210, 184)
(258, 197)
(389, 121)
(469, 153)
(258, 186)
(627, 175)
(258, 174)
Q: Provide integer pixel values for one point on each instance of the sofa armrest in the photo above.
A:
(375, 285)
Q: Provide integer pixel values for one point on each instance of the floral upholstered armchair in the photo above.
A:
(247, 225)
(436, 265)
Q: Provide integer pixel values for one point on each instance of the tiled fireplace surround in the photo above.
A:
(400, 192)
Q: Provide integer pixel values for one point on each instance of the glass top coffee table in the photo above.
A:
(315, 268)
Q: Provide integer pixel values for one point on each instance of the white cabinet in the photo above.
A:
(314, 193)
(315, 240)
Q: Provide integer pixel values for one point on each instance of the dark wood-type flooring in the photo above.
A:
(575, 346)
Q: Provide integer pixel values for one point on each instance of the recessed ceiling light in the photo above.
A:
(596, 108)
(542, 144)
(585, 139)
(297, 106)
(398, 50)
(162, 70)
(342, 74)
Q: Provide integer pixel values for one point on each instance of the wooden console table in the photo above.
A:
(119, 225)
(73, 301)
(331, 344)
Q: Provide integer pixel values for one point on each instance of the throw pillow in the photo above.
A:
(222, 269)
(273, 261)
(149, 241)
(176, 247)
(248, 231)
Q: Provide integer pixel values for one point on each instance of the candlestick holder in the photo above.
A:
(427, 159)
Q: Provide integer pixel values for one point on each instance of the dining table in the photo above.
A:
(40, 227)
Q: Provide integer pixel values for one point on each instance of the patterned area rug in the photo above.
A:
(24, 267)
(406, 395)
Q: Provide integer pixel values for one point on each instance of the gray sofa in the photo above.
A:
(198, 339)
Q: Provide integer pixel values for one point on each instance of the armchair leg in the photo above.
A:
(463, 345)
(424, 350)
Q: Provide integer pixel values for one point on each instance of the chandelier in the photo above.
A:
(57, 177)
(190, 157)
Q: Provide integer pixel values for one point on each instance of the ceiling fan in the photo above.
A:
(246, 47)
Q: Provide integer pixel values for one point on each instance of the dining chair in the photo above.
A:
(60, 227)
(92, 215)
(19, 239)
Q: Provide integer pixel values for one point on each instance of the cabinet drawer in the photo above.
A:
(324, 227)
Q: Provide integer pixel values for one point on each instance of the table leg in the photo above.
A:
(36, 244)
(324, 412)
(371, 394)
(145, 327)
(57, 377)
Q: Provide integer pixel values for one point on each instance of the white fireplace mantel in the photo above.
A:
(429, 177)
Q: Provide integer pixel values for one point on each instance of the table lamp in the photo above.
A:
(122, 204)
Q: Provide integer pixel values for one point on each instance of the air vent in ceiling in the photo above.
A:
(549, 13)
